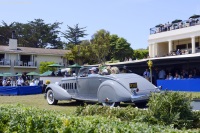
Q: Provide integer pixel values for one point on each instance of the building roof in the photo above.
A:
(37, 51)
(163, 60)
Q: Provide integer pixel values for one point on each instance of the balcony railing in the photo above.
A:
(25, 63)
(5, 62)
(173, 26)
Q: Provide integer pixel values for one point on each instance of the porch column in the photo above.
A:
(18, 58)
(32, 57)
(169, 46)
(193, 45)
(150, 50)
(154, 50)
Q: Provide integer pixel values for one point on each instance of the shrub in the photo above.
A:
(171, 108)
(22, 119)
(125, 114)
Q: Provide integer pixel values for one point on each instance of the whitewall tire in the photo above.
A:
(50, 98)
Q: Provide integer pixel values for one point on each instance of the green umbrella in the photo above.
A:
(74, 66)
(176, 21)
(33, 74)
(47, 73)
(54, 65)
(1, 75)
(7, 74)
(19, 74)
(195, 16)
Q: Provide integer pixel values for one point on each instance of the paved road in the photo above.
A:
(195, 105)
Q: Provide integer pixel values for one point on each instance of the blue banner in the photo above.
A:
(180, 85)
(20, 90)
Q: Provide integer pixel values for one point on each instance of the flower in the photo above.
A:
(48, 82)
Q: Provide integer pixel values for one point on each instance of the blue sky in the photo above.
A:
(130, 19)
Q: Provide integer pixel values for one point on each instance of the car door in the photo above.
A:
(82, 87)
(94, 83)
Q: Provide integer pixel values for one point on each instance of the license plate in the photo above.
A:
(133, 85)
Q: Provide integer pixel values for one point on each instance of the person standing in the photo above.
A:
(4, 82)
(146, 74)
(155, 76)
(32, 83)
(20, 81)
(162, 74)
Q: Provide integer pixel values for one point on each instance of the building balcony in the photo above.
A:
(25, 64)
(174, 26)
(5, 63)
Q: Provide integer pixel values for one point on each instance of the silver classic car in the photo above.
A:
(109, 90)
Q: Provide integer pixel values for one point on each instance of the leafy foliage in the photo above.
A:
(120, 49)
(171, 108)
(140, 54)
(6, 32)
(125, 114)
(44, 67)
(73, 34)
(17, 118)
(100, 45)
(32, 34)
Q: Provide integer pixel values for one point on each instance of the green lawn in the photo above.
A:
(39, 102)
(63, 106)
(194, 94)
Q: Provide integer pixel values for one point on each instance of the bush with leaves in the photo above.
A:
(20, 119)
(125, 114)
(171, 108)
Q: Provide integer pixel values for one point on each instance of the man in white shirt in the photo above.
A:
(20, 81)
(32, 83)
(4, 82)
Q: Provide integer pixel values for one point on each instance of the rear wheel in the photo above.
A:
(141, 104)
(50, 98)
(111, 104)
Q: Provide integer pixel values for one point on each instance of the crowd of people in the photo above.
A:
(105, 70)
(23, 80)
(176, 25)
(173, 74)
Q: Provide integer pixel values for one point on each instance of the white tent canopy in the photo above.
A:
(65, 69)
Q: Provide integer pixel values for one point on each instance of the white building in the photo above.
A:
(165, 40)
(15, 59)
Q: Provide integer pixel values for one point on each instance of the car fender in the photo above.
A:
(59, 92)
(113, 91)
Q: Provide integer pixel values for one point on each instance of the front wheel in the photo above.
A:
(111, 104)
(50, 98)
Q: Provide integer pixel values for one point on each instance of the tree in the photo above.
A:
(38, 34)
(140, 53)
(80, 53)
(100, 45)
(120, 48)
(44, 67)
(73, 35)
(32, 34)
(73, 54)
(6, 32)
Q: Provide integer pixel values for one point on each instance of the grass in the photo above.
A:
(38, 101)
(66, 107)
(195, 95)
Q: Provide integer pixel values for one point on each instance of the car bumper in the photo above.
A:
(135, 98)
